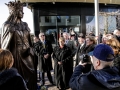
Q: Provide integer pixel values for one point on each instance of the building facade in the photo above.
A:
(54, 18)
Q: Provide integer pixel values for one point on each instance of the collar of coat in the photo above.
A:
(108, 77)
(65, 48)
(7, 74)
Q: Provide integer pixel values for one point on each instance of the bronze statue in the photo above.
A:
(15, 37)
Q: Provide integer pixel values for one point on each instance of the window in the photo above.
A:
(68, 18)
(58, 18)
(47, 19)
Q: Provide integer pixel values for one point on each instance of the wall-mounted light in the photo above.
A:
(53, 1)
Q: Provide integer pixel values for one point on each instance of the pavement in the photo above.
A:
(47, 83)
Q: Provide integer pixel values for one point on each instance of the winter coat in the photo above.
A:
(88, 49)
(11, 80)
(104, 79)
(44, 64)
(79, 53)
(65, 70)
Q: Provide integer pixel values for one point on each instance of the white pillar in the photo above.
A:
(96, 3)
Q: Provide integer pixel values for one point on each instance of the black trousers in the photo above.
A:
(49, 77)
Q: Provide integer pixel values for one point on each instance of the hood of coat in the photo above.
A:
(107, 77)
(7, 75)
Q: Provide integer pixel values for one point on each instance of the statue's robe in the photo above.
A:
(16, 38)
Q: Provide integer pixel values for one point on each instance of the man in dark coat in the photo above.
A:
(81, 47)
(104, 77)
(43, 50)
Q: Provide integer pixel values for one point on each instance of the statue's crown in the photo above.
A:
(13, 6)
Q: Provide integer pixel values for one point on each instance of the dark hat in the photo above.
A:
(81, 35)
(101, 52)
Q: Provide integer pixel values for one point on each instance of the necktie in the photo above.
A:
(43, 44)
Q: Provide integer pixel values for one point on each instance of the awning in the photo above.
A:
(85, 1)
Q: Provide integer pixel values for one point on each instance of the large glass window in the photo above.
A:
(90, 24)
(48, 25)
(47, 19)
(106, 23)
(54, 26)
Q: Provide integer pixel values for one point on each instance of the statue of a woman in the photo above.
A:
(15, 37)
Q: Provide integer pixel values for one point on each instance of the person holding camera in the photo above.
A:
(104, 77)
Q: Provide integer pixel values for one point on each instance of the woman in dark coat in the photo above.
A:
(10, 79)
(63, 67)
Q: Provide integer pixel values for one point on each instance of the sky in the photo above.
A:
(4, 13)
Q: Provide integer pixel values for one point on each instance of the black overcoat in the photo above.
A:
(79, 52)
(44, 64)
(66, 69)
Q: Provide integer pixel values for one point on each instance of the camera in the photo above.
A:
(85, 58)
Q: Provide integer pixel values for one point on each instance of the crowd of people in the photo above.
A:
(70, 50)
(97, 67)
